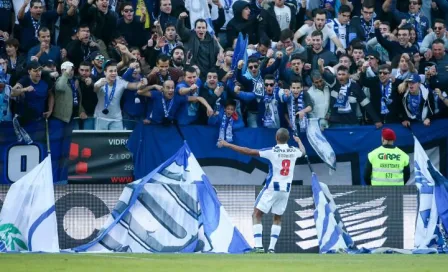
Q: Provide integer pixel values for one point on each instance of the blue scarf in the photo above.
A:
(415, 20)
(3, 105)
(270, 111)
(226, 128)
(74, 92)
(168, 48)
(342, 100)
(413, 102)
(368, 29)
(258, 84)
(385, 94)
(297, 104)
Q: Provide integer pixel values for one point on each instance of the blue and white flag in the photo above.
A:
(199, 10)
(28, 217)
(240, 53)
(172, 209)
(320, 144)
(331, 233)
(427, 217)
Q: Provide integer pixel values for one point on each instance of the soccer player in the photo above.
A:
(274, 196)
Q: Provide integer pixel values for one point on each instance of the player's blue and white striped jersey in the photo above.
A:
(282, 159)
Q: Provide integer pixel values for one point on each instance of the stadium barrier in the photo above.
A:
(374, 216)
(102, 157)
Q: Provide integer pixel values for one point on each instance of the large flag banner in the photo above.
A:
(331, 233)
(172, 209)
(441, 196)
(427, 217)
(320, 144)
(28, 217)
(199, 10)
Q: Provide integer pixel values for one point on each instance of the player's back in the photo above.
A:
(282, 159)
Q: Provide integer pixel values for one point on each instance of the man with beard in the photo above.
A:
(214, 93)
(90, 99)
(101, 20)
(203, 47)
(319, 24)
(320, 98)
(318, 52)
(79, 50)
(396, 48)
(97, 62)
(269, 108)
(254, 83)
(31, 21)
(438, 33)
(162, 73)
(299, 105)
(242, 22)
(132, 27)
(383, 94)
(178, 57)
(345, 97)
(294, 72)
(167, 105)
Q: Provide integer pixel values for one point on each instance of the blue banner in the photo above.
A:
(152, 145)
(102, 157)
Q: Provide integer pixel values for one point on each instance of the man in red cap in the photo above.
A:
(387, 165)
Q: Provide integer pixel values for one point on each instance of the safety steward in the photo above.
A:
(387, 165)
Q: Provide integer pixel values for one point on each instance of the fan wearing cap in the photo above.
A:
(97, 62)
(387, 165)
(36, 101)
(109, 90)
(417, 105)
(68, 97)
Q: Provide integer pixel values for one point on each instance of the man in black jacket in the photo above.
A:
(79, 50)
(276, 17)
(383, 94)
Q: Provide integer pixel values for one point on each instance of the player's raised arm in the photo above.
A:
(301, 147)
(239, 149)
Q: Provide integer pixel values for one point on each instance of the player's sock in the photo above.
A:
(275, 232)
(258, 235)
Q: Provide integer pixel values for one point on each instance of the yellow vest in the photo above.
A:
(387, 166)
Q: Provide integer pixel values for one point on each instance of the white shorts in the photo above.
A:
(269, 199)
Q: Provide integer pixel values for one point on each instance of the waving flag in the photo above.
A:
(172, 209)
(320, 144)
(427, 217)
(240, 52)
(331, 233)
(28, 217)
(199, 10)
(441, 196)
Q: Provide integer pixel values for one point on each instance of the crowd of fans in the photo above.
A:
(107, 65)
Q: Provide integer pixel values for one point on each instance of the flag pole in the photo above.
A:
(47, 136)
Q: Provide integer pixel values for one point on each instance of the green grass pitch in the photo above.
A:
(220, 262)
